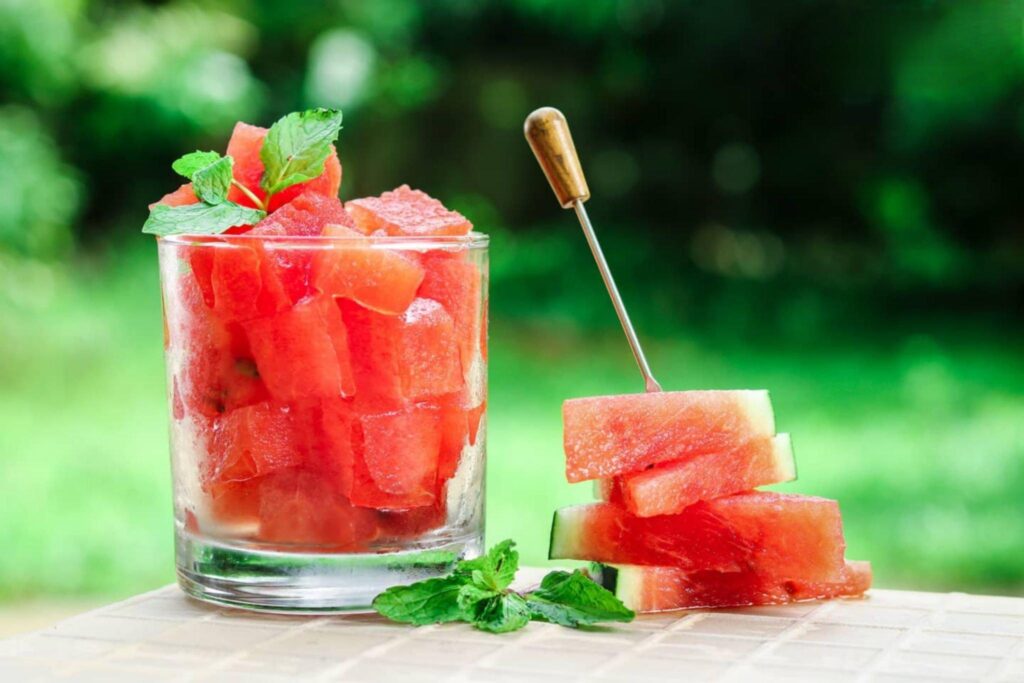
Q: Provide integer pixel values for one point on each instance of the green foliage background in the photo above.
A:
(818, 198)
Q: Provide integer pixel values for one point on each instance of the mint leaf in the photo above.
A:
(496, 569)
(212, 182)
(472, 593)
(199, 219)
(188, 164)
(501, 614)
(574, 600)
(424, 602)
(297, 146)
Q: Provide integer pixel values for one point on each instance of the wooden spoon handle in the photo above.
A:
(547, 132)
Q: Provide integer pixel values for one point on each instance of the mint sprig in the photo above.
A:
(294, 151)
(477, 591)
(297, 146)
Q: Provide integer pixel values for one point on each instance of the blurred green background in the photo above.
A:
(819, 198)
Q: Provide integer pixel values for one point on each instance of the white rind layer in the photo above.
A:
(756, 404)
(782, 457)
(565, 531)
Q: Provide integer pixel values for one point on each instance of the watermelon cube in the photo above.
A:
(778, 535)
(183, 196)
(670, 488)
(460, 422)
(235, 503)
(396, 459)
(403, 358)
(253, 441)
(244, 283)
(302, 352)
(404, 211)
(455, 283)
(301, 508)
(336, 434)
(609, 435)
(379, 279)
(244, 147)
(657, 589)
(399, 524)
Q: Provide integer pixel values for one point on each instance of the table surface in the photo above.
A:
(888, 636)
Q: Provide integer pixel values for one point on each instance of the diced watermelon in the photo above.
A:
(777, 535)
(396, 461)
(455, 283)
(380, 279)
(670, 488)
(404, 211)
(303, 352)
(253, 441)
(609, 435)
(244, 283)
(244, 148)
(183, 196)
(411, 523)
(305, 216)
(336, 448)
(235, 502)
(657, 589)
(459, 425)
(218, 372)
(300, 508)
(402, 358)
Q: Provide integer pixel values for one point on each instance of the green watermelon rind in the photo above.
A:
(564, 532)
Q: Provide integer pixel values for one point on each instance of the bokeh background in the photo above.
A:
(824, 199)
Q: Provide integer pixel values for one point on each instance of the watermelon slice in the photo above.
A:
(403, 358)
(404, 211)
(300, 508)
(455, 283)
(609, 435)
(380, 279)
(396, 459)
(670, 488)
(657, 589)
(244, 146)
(183, 196)
(303, 352)
(774, 534)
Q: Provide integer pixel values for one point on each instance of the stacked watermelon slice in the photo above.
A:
(324, 393)
(679, 524)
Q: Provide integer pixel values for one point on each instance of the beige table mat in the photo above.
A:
(890, 636)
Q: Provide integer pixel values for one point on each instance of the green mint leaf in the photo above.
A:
(297, 146)
(472, 593)
(193, 161)
(424, 602)
(496, 569)
(199, 219)
(501, 614)
(211, 184)
(572, 599)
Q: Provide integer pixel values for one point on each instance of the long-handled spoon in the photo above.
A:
(547, 131)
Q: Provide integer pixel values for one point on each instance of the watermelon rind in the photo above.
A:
(757, 407)
(565, 531)
(783, 459)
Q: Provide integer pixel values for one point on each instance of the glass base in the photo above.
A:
(310, 583)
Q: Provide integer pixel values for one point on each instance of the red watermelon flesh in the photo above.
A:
(218, 372)
(379, 279)
(409, 357)
(775, 534)
(404, 211)
(455, 283)
(235, 502)
(244, 283)
(244, 148)
(336, 453)
(301, 508)
(670, 488)
(410, 523)
(183, 196)
(657, 589)
(255, 440)
(302, 352)
(305, 216)
(609, 435)
(396, 458)
(459, 426)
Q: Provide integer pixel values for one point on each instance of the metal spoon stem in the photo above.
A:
(650, 384)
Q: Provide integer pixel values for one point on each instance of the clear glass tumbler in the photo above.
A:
(327, 399)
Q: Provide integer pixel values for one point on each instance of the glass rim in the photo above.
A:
(471, 240)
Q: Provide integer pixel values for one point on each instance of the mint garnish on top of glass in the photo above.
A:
(294, 151)
(477, 591)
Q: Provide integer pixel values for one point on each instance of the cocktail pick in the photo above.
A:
(547, 131)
